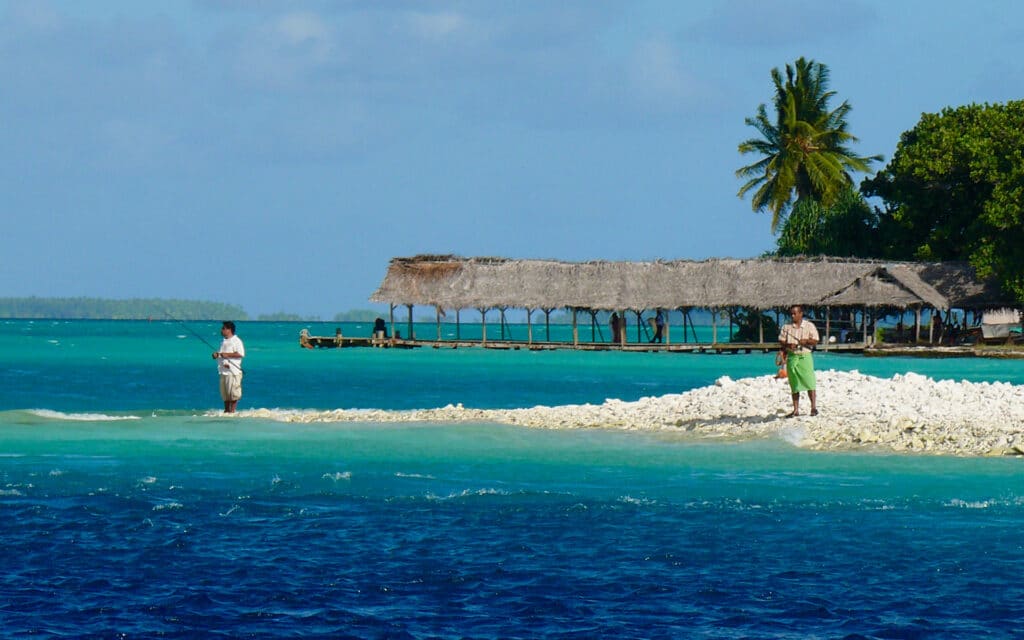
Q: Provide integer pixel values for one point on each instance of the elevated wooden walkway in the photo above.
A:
(331, 342)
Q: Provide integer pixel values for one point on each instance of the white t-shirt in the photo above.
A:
(228, 366)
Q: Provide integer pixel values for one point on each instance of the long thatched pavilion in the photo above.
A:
(447, 282)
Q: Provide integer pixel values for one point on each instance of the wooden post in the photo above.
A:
(864, 322)
(639, 319)
(714, 326)
(931, 326)
(501, 318)
(547, 324)
(529, 327)
(438, 309)
(828, 325)
(391, 317)
(458, 325)
(668, 323)
(411, 336)
(575, 330)
(621, 339)
(483, 326)
(593, 326)
(760, 327)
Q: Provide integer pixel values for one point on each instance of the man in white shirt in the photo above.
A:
(229, 365)
(797, 340)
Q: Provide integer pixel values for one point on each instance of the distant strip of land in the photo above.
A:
(110, 309)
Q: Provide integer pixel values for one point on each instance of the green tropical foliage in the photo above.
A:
(751, 324)
(804, 150)
(846, 228)
(358, 315)
(106, 309)
(954, 190)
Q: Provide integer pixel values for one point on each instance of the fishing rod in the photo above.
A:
(191, 330)
(201, 338)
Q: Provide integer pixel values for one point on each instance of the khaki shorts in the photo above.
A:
(230, 387)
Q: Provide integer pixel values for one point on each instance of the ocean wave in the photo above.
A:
(338, 475)
(468, 493)
(50, 414)
(168, 506)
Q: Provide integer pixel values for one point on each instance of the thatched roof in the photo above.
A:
(452, 282)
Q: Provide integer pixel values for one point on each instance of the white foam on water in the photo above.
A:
(338, 475)
(49, 414)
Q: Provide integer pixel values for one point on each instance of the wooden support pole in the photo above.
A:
(529, 326)
(828, 326)
(438, 309)
(391, 317)
(668, 324)
(483, 326)
(547, 324)
(575, 330)
(714, 326)
(458, 325)
(411, 335)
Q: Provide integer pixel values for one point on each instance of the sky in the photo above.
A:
(276, 155)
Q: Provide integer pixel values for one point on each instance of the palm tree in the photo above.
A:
(805, 150)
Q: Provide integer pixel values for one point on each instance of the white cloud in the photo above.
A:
(660, 81)
(436, 26)
(754, 23)
(303, 28)
(283, 52)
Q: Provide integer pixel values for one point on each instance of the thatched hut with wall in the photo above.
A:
(447, 282)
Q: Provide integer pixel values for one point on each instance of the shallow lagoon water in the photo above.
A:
(127, 510)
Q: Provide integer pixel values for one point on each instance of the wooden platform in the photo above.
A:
(331, 342)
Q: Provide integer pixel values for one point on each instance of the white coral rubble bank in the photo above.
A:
(904, 413)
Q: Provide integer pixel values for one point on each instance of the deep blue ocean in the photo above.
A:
(129, 508)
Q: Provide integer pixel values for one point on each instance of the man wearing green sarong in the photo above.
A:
(797, 340)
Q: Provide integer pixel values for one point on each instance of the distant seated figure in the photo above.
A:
(304, 339)
(780, 362)
(337, 336)
(380, 329)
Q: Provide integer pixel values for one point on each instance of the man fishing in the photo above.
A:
(797, 340)
(229, 365)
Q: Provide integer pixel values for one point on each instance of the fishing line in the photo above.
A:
(201, 338)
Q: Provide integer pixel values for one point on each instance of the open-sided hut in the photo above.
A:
(455, 283)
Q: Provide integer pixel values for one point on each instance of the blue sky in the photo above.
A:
(276, 155)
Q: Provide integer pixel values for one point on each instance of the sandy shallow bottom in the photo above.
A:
(905, 413)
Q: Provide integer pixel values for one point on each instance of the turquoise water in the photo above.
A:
(128, 506)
